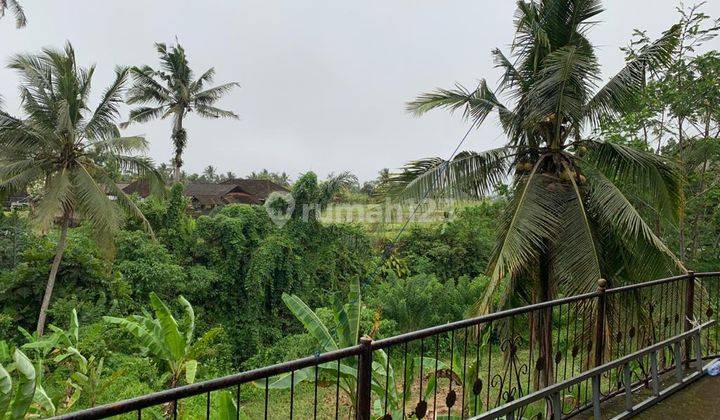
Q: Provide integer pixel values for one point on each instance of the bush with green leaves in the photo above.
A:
(459, 247)
(86, 281)
(14, 237)
(170, 343)
(422, 300)
(147, 266)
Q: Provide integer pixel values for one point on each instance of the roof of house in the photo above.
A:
(249, 191)
(206, 193)
(260, 188)
(139, 187)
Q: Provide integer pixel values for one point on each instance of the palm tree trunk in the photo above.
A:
(546, 339)
(53, 274)
(542, 328)
(179, 138)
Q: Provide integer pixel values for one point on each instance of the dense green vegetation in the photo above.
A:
(143, 296)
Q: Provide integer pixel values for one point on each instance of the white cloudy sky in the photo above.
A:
(324, 82)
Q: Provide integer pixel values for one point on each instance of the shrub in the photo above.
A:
(422, 301)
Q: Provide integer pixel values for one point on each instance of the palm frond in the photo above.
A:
(120, 145)
(512, 78)
(532, 220)
(16, 174)
(205, 78)
(210, 96)
(145, 88)
(476, 105)
(145, 114)
(102, 123)
(469, 174)
(654, 177)
(214, 112)
(620, 92)
(562, 88)
(127, 204)
(56, 199)
(16, 9)
(93, 204)
(616, 212)
(575, 257)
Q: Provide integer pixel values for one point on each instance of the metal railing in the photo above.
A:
(464, 368)
(553, 394)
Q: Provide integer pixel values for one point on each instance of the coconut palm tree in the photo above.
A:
(61, 145)
(15, 7)
(173, 92)
(571, 218)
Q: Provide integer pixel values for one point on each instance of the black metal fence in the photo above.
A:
(465, 368)
(626, 365)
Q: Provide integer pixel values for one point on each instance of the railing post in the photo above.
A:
(689, 312)
(364, 386)
(556, 404)
(654, 374)
(698, 352)
(627, 382)
(597, 415)
(678, 363)
(600, 323)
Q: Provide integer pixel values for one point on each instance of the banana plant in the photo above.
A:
(347, 318)
(26, 398)
(4, 351)
(228, 409)
(89, 379)
(165, 339)
(347, 333)
(86, 376)
(39, 346)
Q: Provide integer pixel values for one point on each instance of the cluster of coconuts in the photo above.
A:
(523, 167)
(566, 176)
(580, 178)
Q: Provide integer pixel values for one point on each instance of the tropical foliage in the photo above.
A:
(613, 181)
(16, 9)
(173, 92)
(63, 146)
(570, 220)
(165, 339)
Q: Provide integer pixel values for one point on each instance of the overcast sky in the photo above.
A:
(324, 82)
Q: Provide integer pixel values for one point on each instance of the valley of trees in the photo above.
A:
(616, 178)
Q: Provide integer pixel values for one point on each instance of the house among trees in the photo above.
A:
(205, 196)
(15, 200)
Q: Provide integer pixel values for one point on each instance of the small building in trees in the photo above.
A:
(205, 196)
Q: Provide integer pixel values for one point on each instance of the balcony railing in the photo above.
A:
(469, 367)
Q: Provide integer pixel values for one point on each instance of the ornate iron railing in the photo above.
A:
(627, 366)
(465, 368)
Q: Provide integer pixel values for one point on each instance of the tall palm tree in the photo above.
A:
(15, 7)
(173, 92)
(571, 218)
(62, 144)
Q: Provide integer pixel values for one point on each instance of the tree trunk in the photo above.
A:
(700, 213)
(169, 409)
(681, 227)
(542, 329)
(179, 141)
(53, 274)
